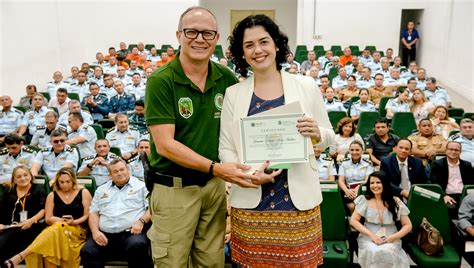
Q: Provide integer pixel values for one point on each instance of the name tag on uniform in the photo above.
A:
(409, 38)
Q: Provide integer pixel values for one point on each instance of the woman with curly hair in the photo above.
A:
(442, 123)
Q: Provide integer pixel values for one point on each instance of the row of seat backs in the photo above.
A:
(301, 51)
(87, 182)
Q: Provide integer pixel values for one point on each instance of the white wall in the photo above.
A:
(445, 30)
(285, 14)
(39, 38)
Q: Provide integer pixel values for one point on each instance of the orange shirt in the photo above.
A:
(123, 64)
(135, 57)
(343, 59)
(161, 63)
(144, 64)
(107, 57)
(171, 57)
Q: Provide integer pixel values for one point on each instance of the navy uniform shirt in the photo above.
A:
(122, 104)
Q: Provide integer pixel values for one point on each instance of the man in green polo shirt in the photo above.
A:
(184, 101)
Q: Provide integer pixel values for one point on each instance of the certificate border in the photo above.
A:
(280, 161)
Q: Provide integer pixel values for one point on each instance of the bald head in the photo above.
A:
(195, 11)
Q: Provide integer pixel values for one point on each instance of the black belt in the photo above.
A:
(178, 182)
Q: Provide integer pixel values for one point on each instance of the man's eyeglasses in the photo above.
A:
(59, 141)
(193, 34)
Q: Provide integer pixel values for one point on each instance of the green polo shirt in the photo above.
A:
(171, 98)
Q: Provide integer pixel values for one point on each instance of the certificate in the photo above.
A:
(274, 138)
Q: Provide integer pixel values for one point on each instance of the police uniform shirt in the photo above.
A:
(436, 141)
(110, 69)
(51, 162)
(375, 66)
(52, 87)
(86, 131)
(126, 141)
(136, 167)
(99, 172)
(42, 136)
(326, 167)
(63, 119)
(71, 80)
(145, 136)
(33, 119)
(338, 82)
(82, 90)
(407, 75)
(365, 61)
(349, 68)
(467, 152)
(334, 105)
(109, 91)
(138, 122)
(125, 80)
(362, 83)
(153, 58)
(397, 106)
(394, 82)
(385, 73)
(420, 83)
(8, 162)
(136, 90)
(355, 172)
(438, 97)
(322, 62)
(119, 208)
(358, 107)
(99, 81)
(10, 120)
(131, 72)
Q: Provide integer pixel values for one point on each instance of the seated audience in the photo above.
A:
(112, 67)
(14, 154)
(142, 49)
(98, 76)
(135, 163)
(346, 57)
(331, 103)
(466, 222)
(452, 173)
(123, 136)
(394, 80)
(26, 101)
(306, 65)
(465, 138)
(365, 81)
(362, 105)
(134, 68)
(353, 171)
(21, 210)
(340, 81)
(421, 78)
(420, 106)
(365, 58)
(96, 165)
(397, 63)
(332, 64)
(43, 133)
(345, 135)
(402, 169)
(123, 52)
(351, 67)
(384, 68)
(57, 82)
(426, 143)
(75, 107)
(117, 217)
(379, 241)
(324, 81)
(66, 213)
(442, 123)
(375, 65)
(164, 59)
(435, 94)
(10, 117)
(350, 91)
(290, 59)
(34, 117)
(380, 144)
(398, 104)
(121, 75)
(81, 87)
(136, 89)
(80, 134)
(143, 62)
(112, 53)
(61, 101)
(378, 91)
(100, 60)
(153, 56)
(97, 104)
(170, 52)
(323, 165)
(389, 54)
(108, 88)
(137, 119)
(52, 159)
(412, 71)
(121, 102)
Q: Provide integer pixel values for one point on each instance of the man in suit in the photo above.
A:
(452, 173)
(402, 169)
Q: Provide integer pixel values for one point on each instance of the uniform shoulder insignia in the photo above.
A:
(132, 159)
(40, 127)
(3, 151)
(70, 149)
(345, 159)
(88, 157)
(112, 155)
(367, 160)
(111, 130)
(132, 127)
(455, 136)
(327, 158)
(61, 127)
(27, 149)
(45, 149)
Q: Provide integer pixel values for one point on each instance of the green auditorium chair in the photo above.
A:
(301, 56)
(469, 188)
(43, 180)
(300, 48)
(87, 182)
(20, 108)
(403, 124)
(426, 200)
(366, 123)
(334, 226)
(116, 150)
(382, 104)
(131, 46)
(317, 48)
(149, 46)
(320, 53)
(98, 130)
(106, 123)
(335, 48)
(456, 113)
(46, 95)
(351, 101)
(468, 115)
(73, 96)
(371, 48)
(335, 116)
(354, 49)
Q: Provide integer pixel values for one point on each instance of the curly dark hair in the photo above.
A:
(387, 194)
(236, 41)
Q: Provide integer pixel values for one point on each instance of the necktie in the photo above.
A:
(404, 177)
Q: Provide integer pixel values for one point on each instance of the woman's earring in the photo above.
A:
(243, 57)
(278, 49)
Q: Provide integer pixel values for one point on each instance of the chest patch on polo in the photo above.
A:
(185, 106)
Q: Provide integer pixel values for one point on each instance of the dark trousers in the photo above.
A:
(408, 55)
(15, 240)
(122, 246)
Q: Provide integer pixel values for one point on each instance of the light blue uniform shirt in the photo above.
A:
(394, 82)
(138, 91)
(358, 107)
(8, 162)
(63, 119)
(87, 147)
(438, 97)
(126, 141)
(126, 80)
(386, 73)
(420, 83)
(338, 82)
(118, 208)
(52, 163)
(82, 90)
(10, 121)
(396, 106)
(33, 119)
(52, 87)
(99, 81)
(136, 167)
(355, 172)
(99, 172)
(334, 105)
(365, 61)
(375, 66)
(362, 83)
(325, 167)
